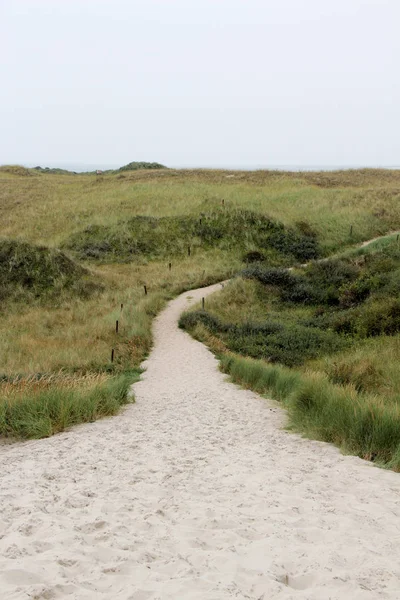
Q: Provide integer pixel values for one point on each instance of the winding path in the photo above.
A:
(194, 492)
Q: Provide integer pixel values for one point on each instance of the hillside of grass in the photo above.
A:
(237, 231)
(80, 252)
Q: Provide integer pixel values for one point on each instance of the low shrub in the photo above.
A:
(189, 320)
(270, 276)
(301, 247)
(275, 342)
(302, 292)
(253, 256)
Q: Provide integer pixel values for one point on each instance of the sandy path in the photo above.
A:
(194, 492)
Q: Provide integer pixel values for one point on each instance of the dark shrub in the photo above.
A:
(257, 328)
(267, 276)
(302, 247)
(302, 293)
(358, 291)
(253, 256)
(189, 320)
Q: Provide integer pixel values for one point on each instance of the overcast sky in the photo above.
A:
(200, 82)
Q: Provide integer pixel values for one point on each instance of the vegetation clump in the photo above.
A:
(273, 341)
(162, 237)
(135, 165)
(36, 272)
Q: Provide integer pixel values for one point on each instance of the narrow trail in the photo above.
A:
(194, 493)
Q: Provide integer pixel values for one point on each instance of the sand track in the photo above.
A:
(194, 492)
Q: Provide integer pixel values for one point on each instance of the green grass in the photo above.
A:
(360, 425)
(27, 412)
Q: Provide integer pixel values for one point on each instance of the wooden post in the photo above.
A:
(202, 303)
(188, 250)
(116, 326)
(223, 201)
(397, 239)
(169, 266)
(112, 355)
(200, 221)
(145, 290)
(122, 307)
(351, 230)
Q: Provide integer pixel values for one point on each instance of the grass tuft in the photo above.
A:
(358, 424)
(36, 412)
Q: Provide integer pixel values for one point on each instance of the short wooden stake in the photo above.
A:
(351, 230)
(116, 326)
(169, 266)
(200, 221)
(223, 201)
(188, 250)
(202, 303)
(112, 355)
(397, 239)
(145, 290)
(122, 306)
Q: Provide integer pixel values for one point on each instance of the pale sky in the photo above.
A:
(200, 82)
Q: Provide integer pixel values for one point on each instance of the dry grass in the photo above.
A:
(81, 333)
(35, 384)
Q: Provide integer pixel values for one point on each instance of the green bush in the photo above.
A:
(301, 247)
(302, 292)
(189, 320)
(270, 276)
(289, 345)
(253, 256)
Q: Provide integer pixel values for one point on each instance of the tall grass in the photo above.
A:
(29, 412)
(359, 424)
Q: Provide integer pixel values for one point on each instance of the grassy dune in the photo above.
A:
(120, 231)
(43, 208)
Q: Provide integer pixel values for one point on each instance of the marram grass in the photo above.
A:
(28, 412)
(363, 425)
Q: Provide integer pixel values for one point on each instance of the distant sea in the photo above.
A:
(81, 167)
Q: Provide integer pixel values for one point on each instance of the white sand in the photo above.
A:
(194, 492)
